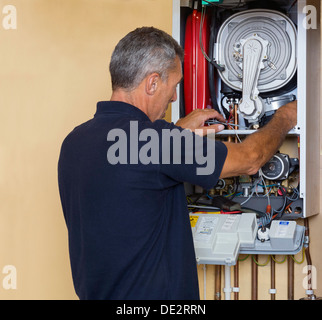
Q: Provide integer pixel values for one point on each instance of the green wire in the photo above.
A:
(268, 258)
(303, 257)
(279, 262)
(239, 259)
(259, 264)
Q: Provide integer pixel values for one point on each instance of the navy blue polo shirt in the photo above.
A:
(123, 199)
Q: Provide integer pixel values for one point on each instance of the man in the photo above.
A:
(123, 197)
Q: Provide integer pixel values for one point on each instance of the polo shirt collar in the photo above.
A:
(119, 107)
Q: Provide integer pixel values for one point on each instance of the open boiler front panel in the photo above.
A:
(246, 59)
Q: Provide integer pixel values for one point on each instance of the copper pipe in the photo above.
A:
(273, 294)
(309, 269)
(254, 278)
(232, 111)
(217, 282)
(236, 267)
(236, 120)
(236, 280)
(309, 291)
(308, 258)
(229, 139)
(290, 278)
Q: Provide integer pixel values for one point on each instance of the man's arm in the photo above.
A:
(250, 155)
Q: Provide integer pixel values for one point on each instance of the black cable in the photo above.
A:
(286, 203)
(292, 5)
(236, 184)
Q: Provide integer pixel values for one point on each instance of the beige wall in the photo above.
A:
(53, 70)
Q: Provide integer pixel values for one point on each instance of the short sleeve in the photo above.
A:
(187, 157)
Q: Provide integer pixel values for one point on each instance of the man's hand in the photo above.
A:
(196, 120)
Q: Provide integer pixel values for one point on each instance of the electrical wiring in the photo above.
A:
(289, 9)
(303, 257)
(203, 13)
(259, 264)
(281, 210)
(236, 134)
(197, 195)
(265, 220)
(192, 206)
(223, 6)
(249, 197)
(203, 51)
(267, 193)
(252, 193)
(285, 206)
(206, 212)
(209, 122)
(232, 190)
(267, 217)
(264, 195)
(233, 195)
(279, 262)
(243, 259)
(230, 118)
(210, 197)
(296, 193)
(232, 125)
(268, 186)
(230, 212)
(248, 210)
(278, 213)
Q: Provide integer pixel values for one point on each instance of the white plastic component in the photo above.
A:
(218, 238)
(263, 234)
(282, 234)
(254, 53)
(227, 288)
(247, 230)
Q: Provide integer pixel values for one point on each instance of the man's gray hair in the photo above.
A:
(142, 52)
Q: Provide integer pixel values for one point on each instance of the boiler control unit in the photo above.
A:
(246, 59)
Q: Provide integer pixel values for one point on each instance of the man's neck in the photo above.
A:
(131, 97)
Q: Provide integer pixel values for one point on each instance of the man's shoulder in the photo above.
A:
(163, 124)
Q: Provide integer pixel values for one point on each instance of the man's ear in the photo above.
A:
(152, 83)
